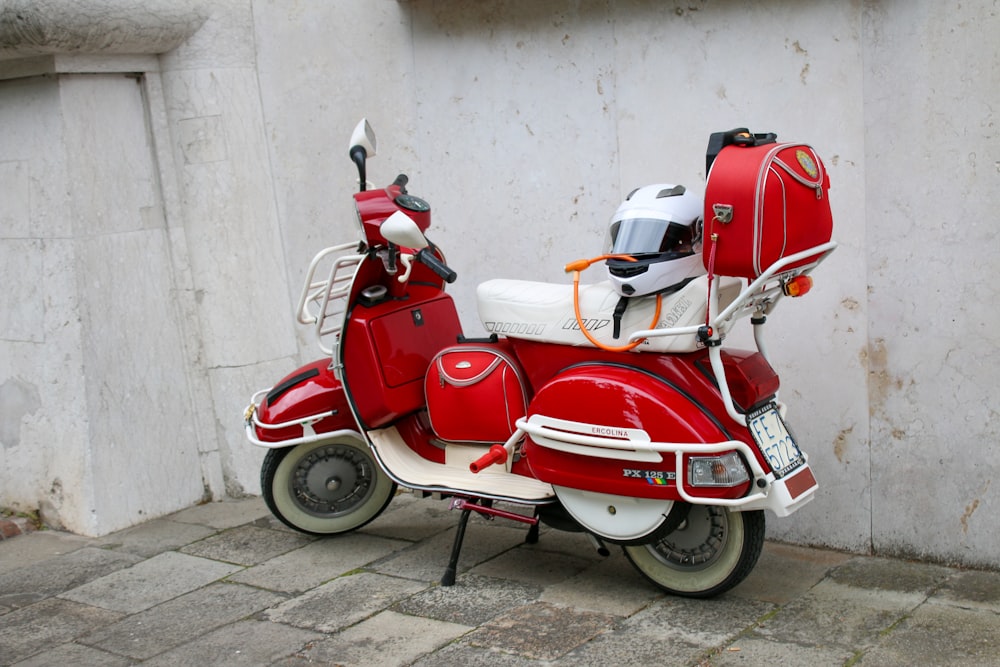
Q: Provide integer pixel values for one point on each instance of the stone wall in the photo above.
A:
(524, 124)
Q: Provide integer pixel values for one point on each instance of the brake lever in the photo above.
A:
(406, 259)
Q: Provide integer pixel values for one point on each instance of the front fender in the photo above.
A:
(306, 405)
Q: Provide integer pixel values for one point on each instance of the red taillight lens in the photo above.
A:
(751, 379)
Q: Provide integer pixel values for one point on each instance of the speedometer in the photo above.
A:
(411, 203)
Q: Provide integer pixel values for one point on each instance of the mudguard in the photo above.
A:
(618, 409)
(306, 403)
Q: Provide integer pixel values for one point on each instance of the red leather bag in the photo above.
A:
(763, 201)
(475, 393)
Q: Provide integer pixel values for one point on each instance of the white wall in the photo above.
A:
(241, 303)
(94, 349)
(531, 120)
(530, 123)
(932, 99)
(524, 124)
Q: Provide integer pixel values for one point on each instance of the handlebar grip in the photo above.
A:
(401, 181)
(496, 455)
(430, 260)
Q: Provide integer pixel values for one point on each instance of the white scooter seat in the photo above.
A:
(544, 312)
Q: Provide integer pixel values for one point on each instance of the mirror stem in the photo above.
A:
(358, 155)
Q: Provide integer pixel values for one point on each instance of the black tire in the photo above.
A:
(324, 488)
(713, 550)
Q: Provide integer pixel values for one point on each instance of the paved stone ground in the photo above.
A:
(226, 584)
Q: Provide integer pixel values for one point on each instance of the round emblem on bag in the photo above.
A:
(807, 163)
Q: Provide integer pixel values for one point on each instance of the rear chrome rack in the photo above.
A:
(757, 299)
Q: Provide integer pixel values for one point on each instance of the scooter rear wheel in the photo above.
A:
(713, 550)
(324, 488)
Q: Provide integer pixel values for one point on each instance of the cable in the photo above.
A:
(582, 264)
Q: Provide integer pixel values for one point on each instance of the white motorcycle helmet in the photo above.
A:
(661, 227)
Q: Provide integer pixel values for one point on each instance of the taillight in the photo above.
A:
(750, 378)
(798, 286)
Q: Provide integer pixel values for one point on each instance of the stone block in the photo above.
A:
(246, 642)
(179, 620)
(318, 562)
(150, 582)
(28, 584)
(540, 631)
(473, 600)
(343, 602)
(385, 639)
(38, 627)
(247, 545)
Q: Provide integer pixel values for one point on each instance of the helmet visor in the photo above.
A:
(643, 236)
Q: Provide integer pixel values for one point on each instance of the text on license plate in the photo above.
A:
(774, 441)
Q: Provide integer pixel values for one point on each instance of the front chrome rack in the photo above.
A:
(323, 303)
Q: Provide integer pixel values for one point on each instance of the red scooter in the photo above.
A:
(667, 444)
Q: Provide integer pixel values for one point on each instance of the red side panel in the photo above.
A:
(309, 391)
(388, 347)
(613, 399)
(777, 196)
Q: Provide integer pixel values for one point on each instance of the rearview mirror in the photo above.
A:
(363, 137)
(400, 229)
(362, 147)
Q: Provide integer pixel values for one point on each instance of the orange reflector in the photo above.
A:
(798, 286)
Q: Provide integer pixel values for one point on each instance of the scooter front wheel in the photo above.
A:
(711, 551)
(323, 488)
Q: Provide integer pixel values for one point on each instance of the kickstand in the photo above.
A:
(485, 507)
(532, 536)
(449, 574)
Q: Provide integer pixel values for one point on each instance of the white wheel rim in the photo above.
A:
(698, 560)
(330, 487)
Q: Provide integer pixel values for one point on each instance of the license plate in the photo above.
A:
(774, 440)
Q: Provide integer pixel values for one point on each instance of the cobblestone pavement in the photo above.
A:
(226, 584)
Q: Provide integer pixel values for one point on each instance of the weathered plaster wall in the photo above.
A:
(224, 179)
(932, 98)
(523, 124)
(40, 328)
(94, 354)
(359, 63)
(531, 120)
(99, 430)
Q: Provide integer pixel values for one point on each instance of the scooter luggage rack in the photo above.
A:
(758, 299)
(323, 303)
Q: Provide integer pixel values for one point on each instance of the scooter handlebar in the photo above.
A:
(430, 260)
